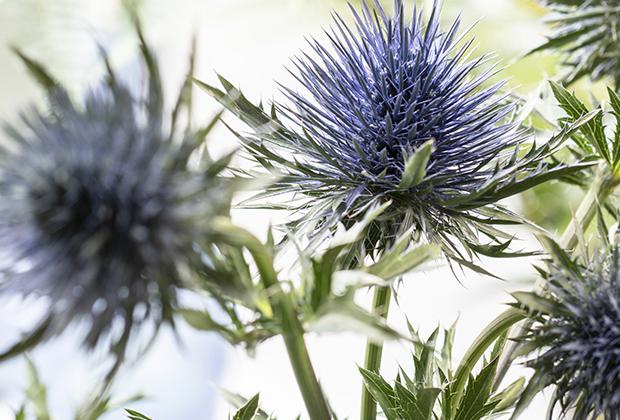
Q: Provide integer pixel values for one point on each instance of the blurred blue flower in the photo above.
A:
(99, 211)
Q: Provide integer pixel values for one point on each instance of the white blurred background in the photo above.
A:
(250, 42)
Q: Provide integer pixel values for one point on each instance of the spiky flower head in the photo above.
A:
(579, 332)
(100, 212)
(586, 36)
(393, 110)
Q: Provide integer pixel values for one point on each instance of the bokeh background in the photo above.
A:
(250, 42)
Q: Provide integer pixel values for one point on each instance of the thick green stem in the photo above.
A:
(372, 361)
(293, 335)
(597, 193)
(309, 386)
(292, 330)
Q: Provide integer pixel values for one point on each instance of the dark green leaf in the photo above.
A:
(248, 411)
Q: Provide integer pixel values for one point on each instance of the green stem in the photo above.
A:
(309, 386)
(292, 330)
(372, 361)
(597, 193)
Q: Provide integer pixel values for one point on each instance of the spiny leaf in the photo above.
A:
(475, 400)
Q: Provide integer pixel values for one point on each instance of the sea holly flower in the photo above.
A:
(586, 36)
(576, 335)
(100, 213)
(396, 111)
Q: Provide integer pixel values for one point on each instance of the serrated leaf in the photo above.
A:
(593, 129)
(559, 255)
(474, 404)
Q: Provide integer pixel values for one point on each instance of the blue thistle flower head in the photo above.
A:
(585, 37)
(99, 211)
(374, 97)
(395, 110)
(581, 339)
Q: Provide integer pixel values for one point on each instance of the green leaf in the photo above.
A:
(381, 391)
(416, 405)
(475, 405)
(248, 411)
(425, 363)
(37, 393)
(535, 385)
(415, 167)
(238, 104)
(29, 341)
(575, 109)
(485, 339)
(343, 315)
(560, 257)
(394, 264)
(239, 401)
(508, 396)
(499, 250)
(537, 303)
(38, 71)
(426, 401)
(445, 359)
(21, 414)
(134, 415)
(614, 101)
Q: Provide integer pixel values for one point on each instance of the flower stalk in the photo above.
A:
(292, 330)
(374, 351)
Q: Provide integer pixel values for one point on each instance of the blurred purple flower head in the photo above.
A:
(99, 211)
